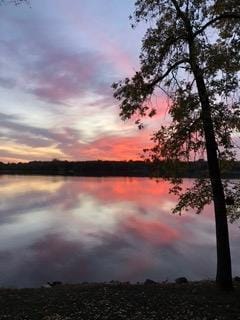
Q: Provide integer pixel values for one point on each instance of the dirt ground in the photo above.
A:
(195, 301)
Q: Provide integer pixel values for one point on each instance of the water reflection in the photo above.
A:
(99, 229)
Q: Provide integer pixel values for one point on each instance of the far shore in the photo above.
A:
(116, 175)
(102, 168)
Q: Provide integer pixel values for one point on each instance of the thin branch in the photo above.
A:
(184, 18)
(171, 68)
(176, 80)
(15, 2)
(220, 17)
(171, 40)
(177, 7)
(187, 8)
(165, 91)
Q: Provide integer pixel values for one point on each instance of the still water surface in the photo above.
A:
(98, 229)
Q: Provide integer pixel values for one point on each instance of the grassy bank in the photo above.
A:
(200, 301)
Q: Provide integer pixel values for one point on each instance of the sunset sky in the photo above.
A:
(58, 60)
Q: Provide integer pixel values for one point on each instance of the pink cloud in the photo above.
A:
(153, 231)
(118, 190)
(109, 148)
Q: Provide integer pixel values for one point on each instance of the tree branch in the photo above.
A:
(184, 17)
(187, 7)
(171, 68)
(220, 17)
(177, 7)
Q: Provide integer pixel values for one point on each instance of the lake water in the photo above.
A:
(100, 229)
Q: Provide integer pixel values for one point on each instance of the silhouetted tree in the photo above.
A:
(191, 50)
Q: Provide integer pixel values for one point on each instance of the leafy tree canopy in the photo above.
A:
(181, 35)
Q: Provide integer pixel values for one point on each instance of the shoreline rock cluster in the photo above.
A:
(180, 280)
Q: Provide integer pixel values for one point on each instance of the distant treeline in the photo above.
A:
(116, 168)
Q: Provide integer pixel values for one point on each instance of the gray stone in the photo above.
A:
(181, 280)
(237, 279)
(149, 281)
(55, 283)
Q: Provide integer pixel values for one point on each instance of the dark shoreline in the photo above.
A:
(101, 168)
(193, 300)
(106, 175)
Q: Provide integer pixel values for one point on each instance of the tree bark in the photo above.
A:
(224, 269)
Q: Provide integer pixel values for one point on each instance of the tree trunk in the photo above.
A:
(224, 270)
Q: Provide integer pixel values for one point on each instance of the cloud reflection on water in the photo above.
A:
(99, 229)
